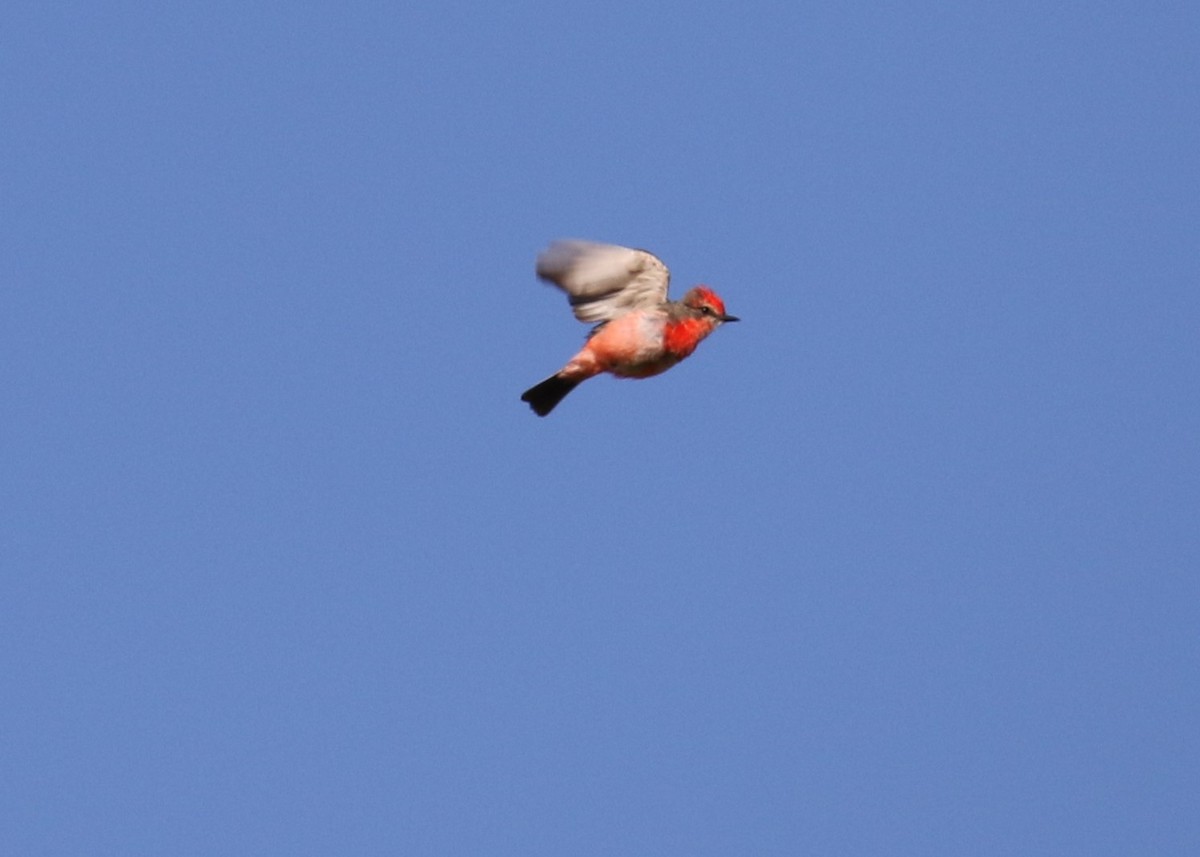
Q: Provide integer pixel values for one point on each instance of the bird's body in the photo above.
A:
(640, 333)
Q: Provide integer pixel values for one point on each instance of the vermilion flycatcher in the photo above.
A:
(639, 332)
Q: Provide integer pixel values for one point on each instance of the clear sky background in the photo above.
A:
(905, 563)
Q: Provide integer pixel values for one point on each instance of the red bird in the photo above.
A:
(639, 332)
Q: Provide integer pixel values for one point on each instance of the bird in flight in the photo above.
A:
(638, 331)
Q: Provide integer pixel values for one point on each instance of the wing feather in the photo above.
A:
(604, 281)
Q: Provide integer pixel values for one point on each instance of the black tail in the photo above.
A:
(544, 396)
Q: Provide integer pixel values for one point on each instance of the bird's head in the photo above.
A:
(707, 304)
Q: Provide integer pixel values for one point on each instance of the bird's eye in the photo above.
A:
(707, 310)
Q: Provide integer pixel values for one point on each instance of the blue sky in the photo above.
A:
(905, 563)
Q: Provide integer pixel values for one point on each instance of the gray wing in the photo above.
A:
(604, 281)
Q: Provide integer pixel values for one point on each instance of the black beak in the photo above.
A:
(730, 318)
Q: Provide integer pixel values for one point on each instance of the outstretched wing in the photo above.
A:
(604, 281)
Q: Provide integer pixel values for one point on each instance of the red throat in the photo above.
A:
(680, 338)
